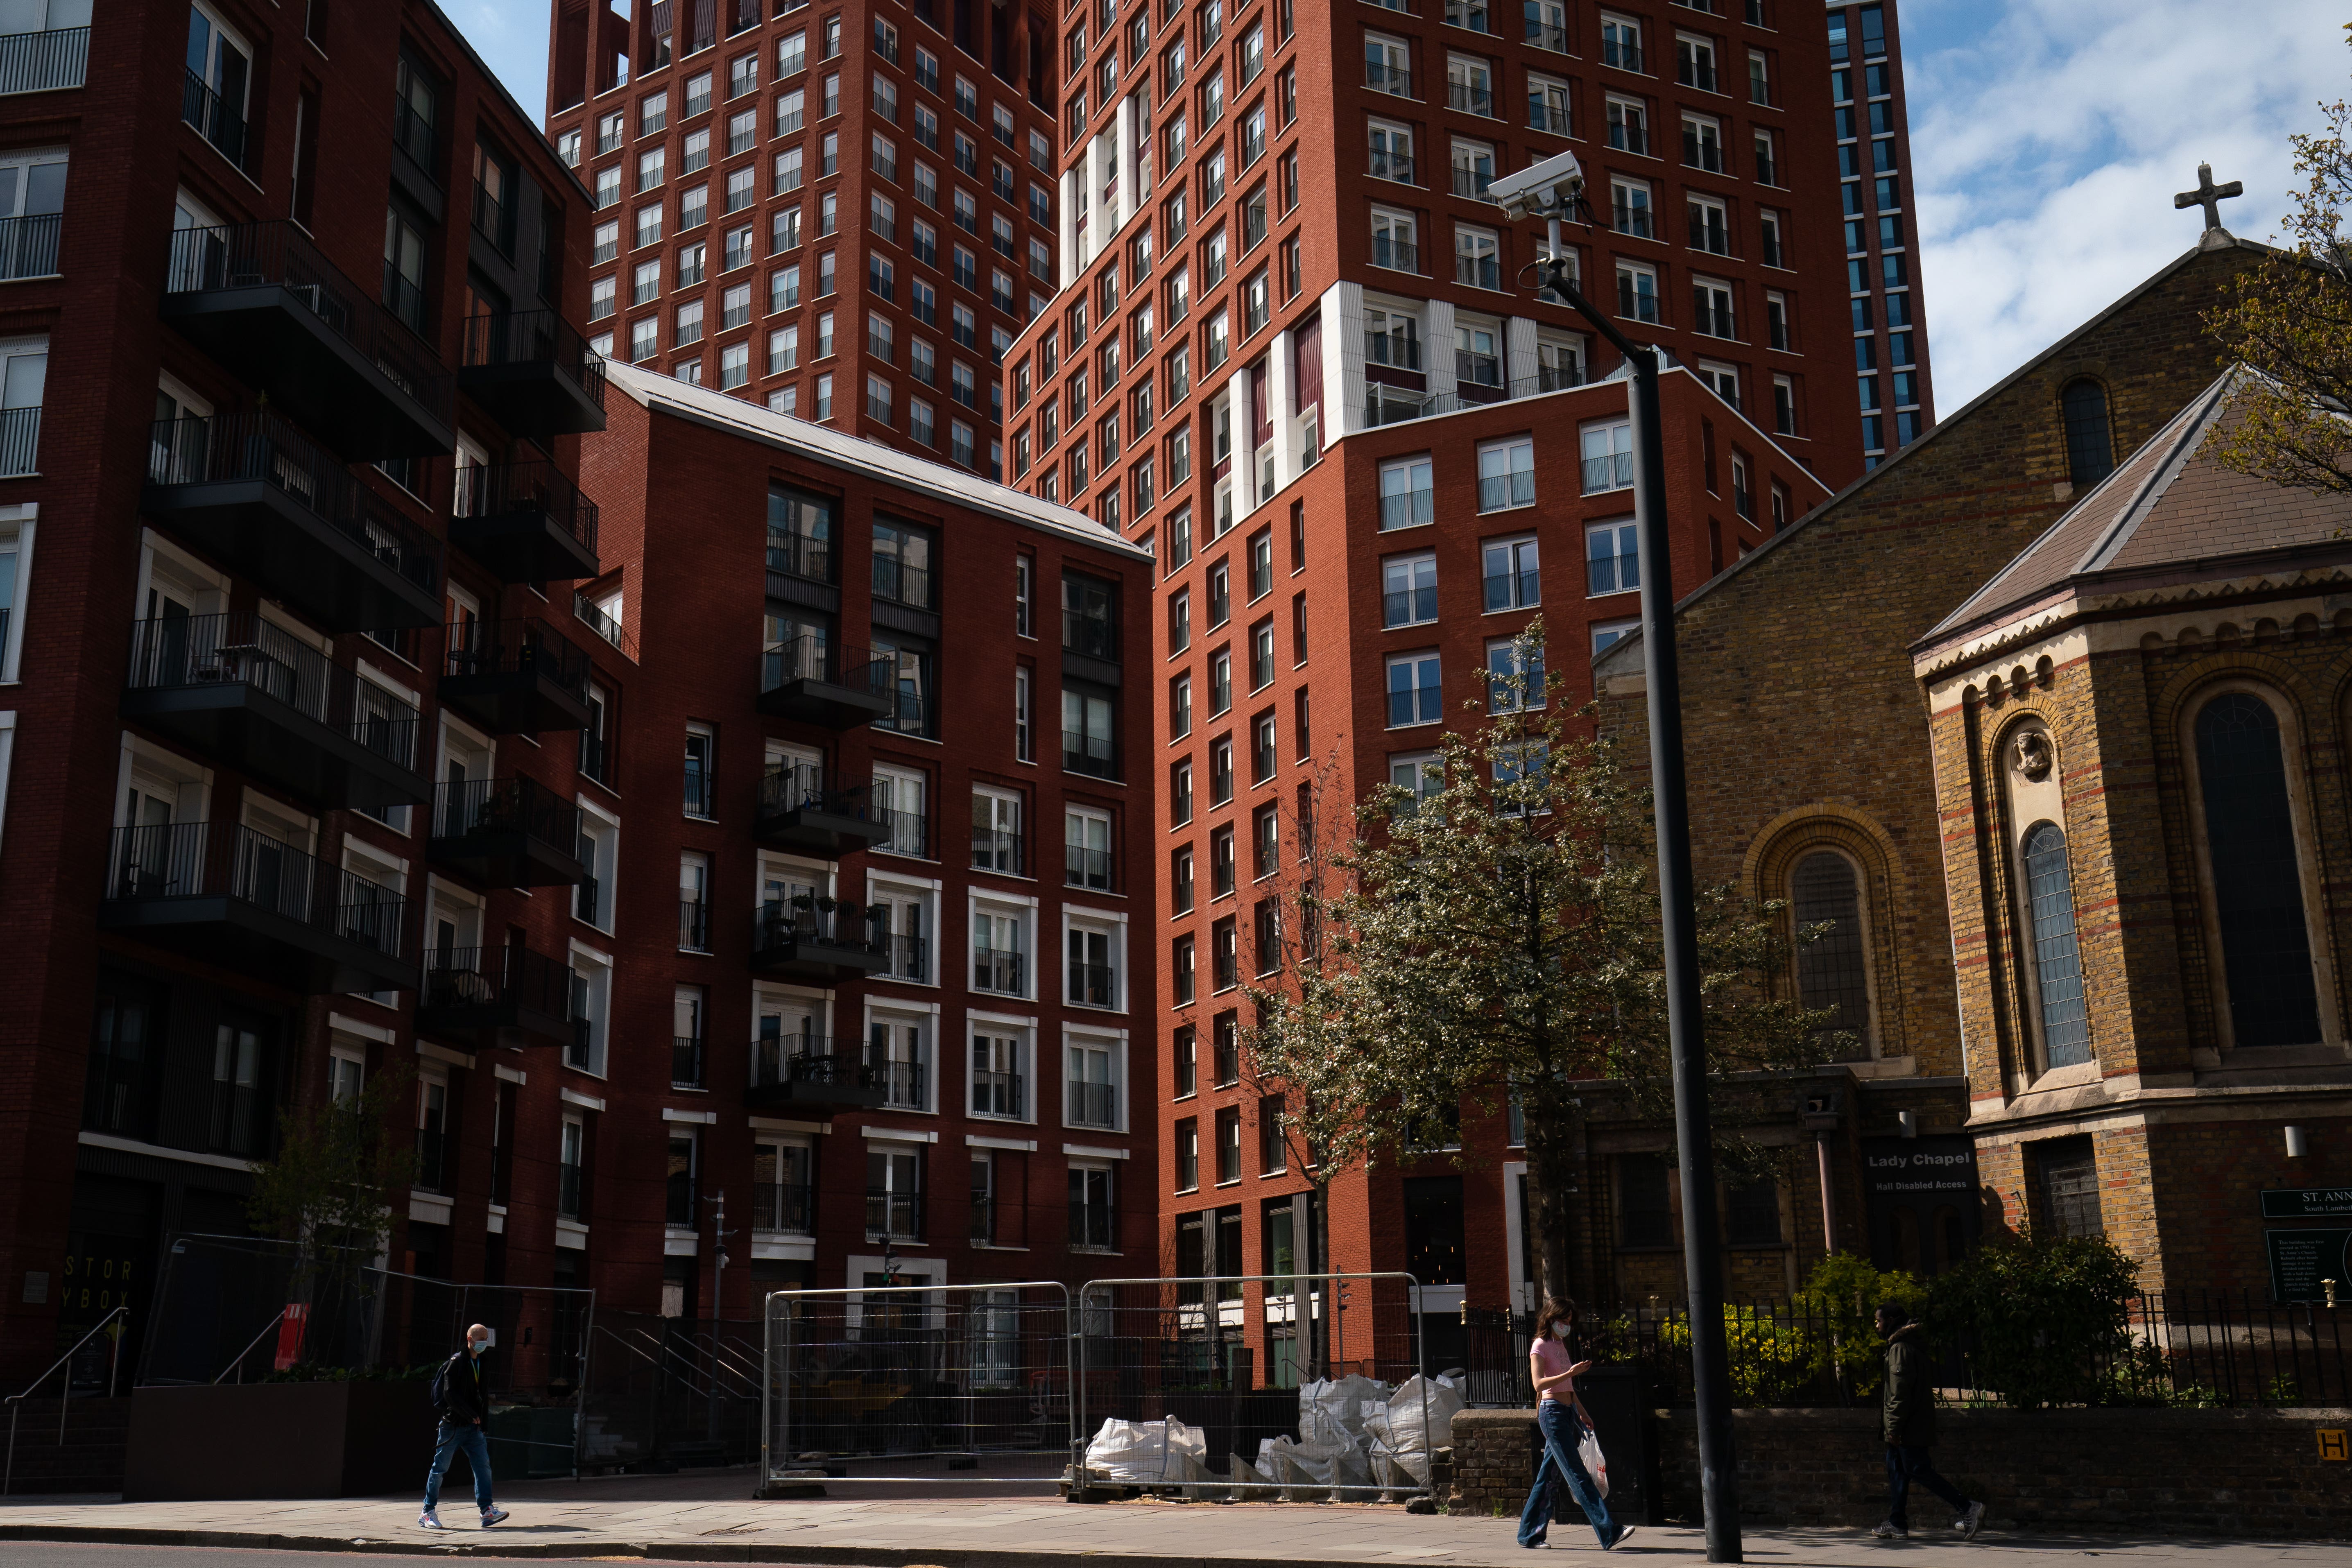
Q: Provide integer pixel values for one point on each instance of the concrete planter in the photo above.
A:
(282, 1440)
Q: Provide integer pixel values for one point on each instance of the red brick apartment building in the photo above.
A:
(1299, 356)
(845, 213)
(288, 536)
(1872, 119)
(887, 878)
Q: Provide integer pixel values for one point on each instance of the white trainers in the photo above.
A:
(1968, 1523)
(492, 1517)
(1887, 1530)
(1623, 1536)
(429, 1519)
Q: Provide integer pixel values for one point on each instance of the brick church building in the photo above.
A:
(2081, 992)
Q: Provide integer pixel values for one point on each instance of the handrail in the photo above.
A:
(236, 1363)
(16, 1400)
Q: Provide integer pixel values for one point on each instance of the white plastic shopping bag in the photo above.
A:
(1588, 1449)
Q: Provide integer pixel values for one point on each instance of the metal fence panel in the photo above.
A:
(941, 1383)
(1236, 1358)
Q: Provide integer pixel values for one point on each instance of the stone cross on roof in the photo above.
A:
(2209, 196)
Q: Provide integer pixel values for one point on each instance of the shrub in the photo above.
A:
(2045, 1323)
(1841, 1296)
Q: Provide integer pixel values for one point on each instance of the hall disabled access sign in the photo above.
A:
(2306, 1203)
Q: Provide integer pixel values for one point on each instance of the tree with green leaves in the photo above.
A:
(330, 1187)
(2290, 317)
(1494, 936)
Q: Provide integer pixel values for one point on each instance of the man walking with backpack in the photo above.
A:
(462, 1400)
(1910, 1427)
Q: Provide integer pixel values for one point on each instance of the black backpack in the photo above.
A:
(440, 1392)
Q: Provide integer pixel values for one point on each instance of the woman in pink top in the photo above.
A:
(1561, 1418)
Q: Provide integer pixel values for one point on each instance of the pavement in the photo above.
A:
(709, 1517)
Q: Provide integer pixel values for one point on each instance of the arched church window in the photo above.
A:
(2057, 964)
(1833, 973)
(2257, 883)
(2090, 438)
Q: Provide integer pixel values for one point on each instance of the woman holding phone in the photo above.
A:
(1561, 1418)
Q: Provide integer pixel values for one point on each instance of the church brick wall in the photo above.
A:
(1805, 725)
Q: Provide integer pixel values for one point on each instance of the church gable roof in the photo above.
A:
(2172, 503)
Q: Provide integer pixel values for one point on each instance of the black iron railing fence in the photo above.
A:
(525, 337)
(2177, 1347)
(498, 489)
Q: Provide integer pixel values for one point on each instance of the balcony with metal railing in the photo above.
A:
(1396, 255)
(239, 899)
(694, 925)
(262, 302)
(1085, 868)
(1396, 166)
(515, 678)
(1547, 36)
(999, 970)
(788, 1207)
(507, 996)
(831, 685)
(686, 1062)
(893, 1216)
(817, 940)
(506, 832)
(1387, 405)
(1394, 80)
(1092, 985)
(811, 1072)
(1088, 753)
(273, 505)
(1094, 1227)
(996, 1094)
(525, 521)
(28, 245)
(44, 61)
(996, 849)
(245, 693)
(1470, 98)
(214, 117)
(533, 374)
(1090, 1104)
(809, 808)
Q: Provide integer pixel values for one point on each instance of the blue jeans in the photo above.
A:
(1556, 1420)
(1906, 1465)
(453, 1436)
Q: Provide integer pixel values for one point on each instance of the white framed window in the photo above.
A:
(1605, 633)
(600, 851)
(1703, 142)
(1612, 557)
(1418, 773)
(1414, 692)
(1391, 151)
(1723, 378)
(1087, 848)
(1392, 337)
(1711, 307)
(1511, 573)
(1477, 254)
(1408, 495)
(899, 1055)
(1513, 683)
(1002, 949)
(1396, 240)
(1003, 1078)
(1506, 473)
(1608, 453)
(1710, 225)
(592, 1004)
(1629, 124)
(1560, 362)
(1409, 589)
(1629, 206)
(901, 802)
(783, 1185)
(1094, 1080)
(1637, 292)
(222, 63)
(1549, 104)
(16, 575)
(1094, 971)
(906, 920)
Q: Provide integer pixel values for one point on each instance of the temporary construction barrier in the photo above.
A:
(1282, 1384)
(940, 1382)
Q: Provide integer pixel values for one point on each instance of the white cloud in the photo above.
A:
(2047, 138)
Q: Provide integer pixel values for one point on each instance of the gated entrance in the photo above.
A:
(950, 1383)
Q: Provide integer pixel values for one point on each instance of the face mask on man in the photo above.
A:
(476, 1347)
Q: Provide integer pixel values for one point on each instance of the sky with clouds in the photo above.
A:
(2047, 136)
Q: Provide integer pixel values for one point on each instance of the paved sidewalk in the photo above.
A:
(709, 1519)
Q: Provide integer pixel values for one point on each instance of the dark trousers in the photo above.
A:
(1906, 1464)
(453, 1436)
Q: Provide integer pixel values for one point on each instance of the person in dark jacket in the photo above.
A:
(462, 1400)
(1909, 1425)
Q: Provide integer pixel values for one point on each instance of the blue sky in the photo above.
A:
(2048, 137)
